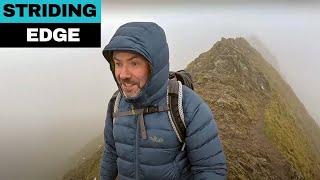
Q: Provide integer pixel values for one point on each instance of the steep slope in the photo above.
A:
(265, 129)
(85, 164)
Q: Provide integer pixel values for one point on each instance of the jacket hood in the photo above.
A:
(149, 40)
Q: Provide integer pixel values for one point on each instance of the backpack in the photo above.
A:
(174, 99)
(183, 76)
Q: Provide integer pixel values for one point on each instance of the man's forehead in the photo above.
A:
(127, 55)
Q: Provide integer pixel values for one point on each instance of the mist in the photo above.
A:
(53, 101)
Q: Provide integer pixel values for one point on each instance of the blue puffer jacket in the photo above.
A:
(126, 154)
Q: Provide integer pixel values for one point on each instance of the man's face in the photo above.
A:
(132, 72)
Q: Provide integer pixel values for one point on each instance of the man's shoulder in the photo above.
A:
(191, 99)
(194, 104)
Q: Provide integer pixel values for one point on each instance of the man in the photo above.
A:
(145, 146)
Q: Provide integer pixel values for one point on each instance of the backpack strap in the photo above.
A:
(114, 103)
(176, 110)
(140, 113)
(147, 110)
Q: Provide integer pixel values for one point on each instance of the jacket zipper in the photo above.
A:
(137, 149)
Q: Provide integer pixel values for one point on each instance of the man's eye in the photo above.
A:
(117, 64)
(134, 63)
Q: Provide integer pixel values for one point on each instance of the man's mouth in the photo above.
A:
(127, 86)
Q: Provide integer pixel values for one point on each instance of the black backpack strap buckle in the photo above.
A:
(151, 109)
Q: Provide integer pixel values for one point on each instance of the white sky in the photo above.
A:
(54, 100)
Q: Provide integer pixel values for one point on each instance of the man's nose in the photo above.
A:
(125, 73)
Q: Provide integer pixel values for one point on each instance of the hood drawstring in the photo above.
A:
(142, 127)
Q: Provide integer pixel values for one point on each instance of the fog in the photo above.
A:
(53, 101)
